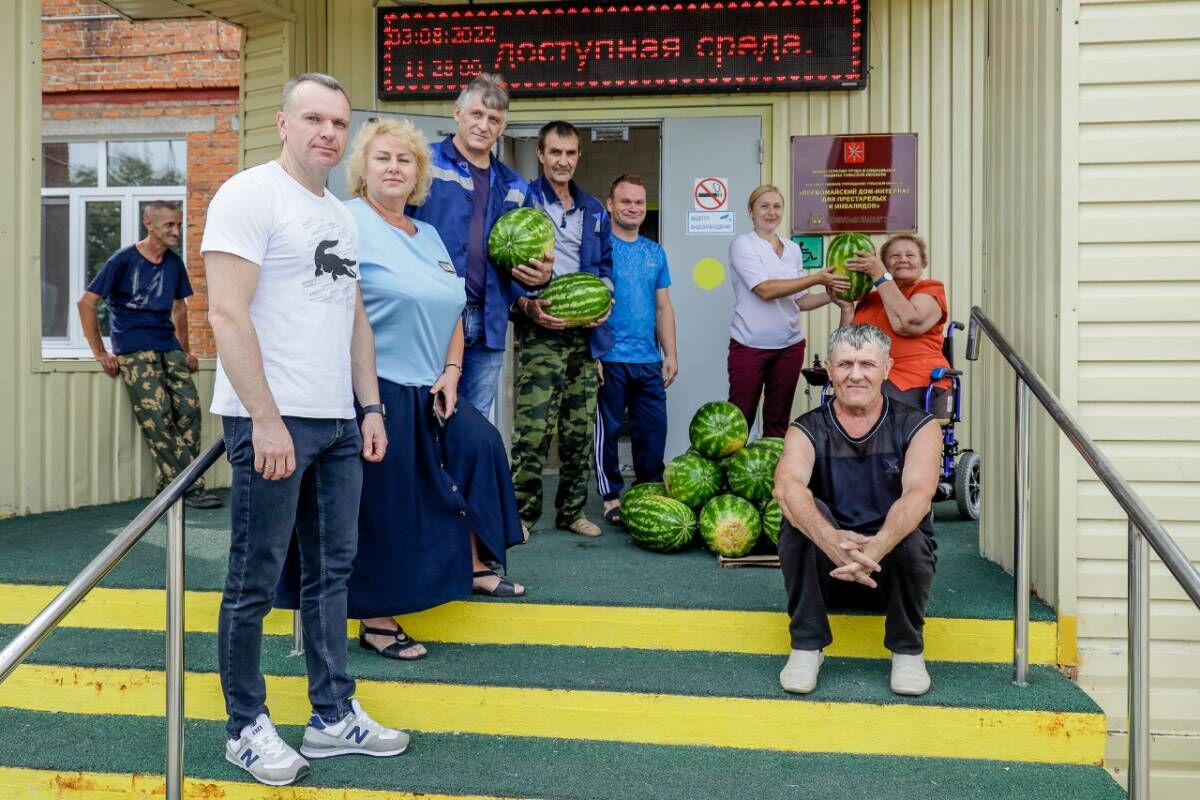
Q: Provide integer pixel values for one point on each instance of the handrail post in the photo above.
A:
(175, 597)
(1139, 665)
(297, 634)
(1021, 540)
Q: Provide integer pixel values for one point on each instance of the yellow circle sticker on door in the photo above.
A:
(708, 273)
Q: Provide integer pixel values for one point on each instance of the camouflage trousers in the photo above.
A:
(556, 389)
(167, 409)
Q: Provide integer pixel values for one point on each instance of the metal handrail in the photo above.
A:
(170, 503)
(1145, 531)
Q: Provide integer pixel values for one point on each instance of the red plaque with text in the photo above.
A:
(858, 182)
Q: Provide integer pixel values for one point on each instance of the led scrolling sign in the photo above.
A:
(562, 49)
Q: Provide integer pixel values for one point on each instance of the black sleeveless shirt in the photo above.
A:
(860, 479)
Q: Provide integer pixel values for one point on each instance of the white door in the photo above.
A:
(728, 149)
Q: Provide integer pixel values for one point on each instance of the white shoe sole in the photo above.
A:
(301, 775)
(350, 751)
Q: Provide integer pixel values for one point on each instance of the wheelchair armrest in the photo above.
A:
(942, 372)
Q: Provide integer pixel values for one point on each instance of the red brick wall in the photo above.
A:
(110, 68)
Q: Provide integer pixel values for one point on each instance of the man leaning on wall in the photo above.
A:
(145, 286)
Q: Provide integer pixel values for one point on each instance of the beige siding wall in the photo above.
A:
(1138, 340)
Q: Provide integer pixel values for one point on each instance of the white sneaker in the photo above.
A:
(909, 676)
(356, 734)
(799, 674)
(268, 758)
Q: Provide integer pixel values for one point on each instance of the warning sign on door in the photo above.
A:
(710, 194)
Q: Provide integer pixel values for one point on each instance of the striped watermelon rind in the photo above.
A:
(518, 236)
(772, 520)
(658, 523)
(578, 298)
(647, 489)
(718, 429)
(692, 479)
(730, 525)
(842, 247)
(751, 473)
(775, 443)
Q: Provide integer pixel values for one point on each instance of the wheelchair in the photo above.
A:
(959, 479)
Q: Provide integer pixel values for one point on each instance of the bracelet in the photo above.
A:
(452, 364)
(373, 408)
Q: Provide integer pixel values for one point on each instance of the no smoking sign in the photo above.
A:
(710, 194)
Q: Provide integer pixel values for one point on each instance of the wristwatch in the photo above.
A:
(882, 279)
(374, 408)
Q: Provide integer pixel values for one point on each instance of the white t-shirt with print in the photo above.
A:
(765, 324)
(303, 307)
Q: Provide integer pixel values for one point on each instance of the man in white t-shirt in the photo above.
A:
(294, 350)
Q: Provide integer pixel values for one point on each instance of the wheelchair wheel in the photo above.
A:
(966, 485)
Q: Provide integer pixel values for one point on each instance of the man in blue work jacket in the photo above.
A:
(470, 191)
(556, 373)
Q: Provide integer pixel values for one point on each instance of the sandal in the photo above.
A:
(397, 649)
(613, 516)
(505, 588)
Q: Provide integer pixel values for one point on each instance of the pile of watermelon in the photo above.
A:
(721, 486)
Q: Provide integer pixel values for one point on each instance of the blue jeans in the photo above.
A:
(481, 366)
(319, 504)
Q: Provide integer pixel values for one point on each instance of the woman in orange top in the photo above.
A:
(911, 310)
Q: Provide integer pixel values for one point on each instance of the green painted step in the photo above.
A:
(558, 567)
(843, 680)
(554, 769)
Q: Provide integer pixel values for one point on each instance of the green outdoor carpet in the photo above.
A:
(555, 769)
(558, 567)
(597, 669)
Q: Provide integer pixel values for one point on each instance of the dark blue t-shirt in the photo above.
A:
(476, 240)
(140, 297)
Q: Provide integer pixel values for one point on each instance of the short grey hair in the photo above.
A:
(490, 88)
(328, 81)
(856, 336)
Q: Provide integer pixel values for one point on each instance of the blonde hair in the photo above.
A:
(401, 132)
(906, 237)
(766, 188)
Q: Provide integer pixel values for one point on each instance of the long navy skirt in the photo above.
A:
(435, 486)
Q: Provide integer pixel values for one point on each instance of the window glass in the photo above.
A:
(67, 164)
(56, 265)
(102, 238)
(147, 163)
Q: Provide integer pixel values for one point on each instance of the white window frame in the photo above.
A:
(74, 344)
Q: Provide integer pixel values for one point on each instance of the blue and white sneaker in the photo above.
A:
(355, 734)
(268, 758)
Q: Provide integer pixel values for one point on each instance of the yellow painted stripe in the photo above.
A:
(750, 723)
(755, 632)
(44, 784)
(1068, 642)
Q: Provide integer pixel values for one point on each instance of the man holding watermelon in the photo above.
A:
(634, 374)
(855, 484)
(470, 192)
(561, 338)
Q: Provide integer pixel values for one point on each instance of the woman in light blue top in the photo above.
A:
(441, 502)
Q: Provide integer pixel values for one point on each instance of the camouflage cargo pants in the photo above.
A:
(167, 409)
(556, 388)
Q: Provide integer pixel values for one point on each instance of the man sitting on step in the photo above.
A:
(855, 484)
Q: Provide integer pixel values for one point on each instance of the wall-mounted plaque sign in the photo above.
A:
(587, 48)
(859, 182)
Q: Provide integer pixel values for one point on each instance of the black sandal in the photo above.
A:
(613, 517)
(396, 649)
(505, 588)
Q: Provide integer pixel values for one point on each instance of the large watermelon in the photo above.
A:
(644, 489)
(730, 525)
(751, 473)
(718, 429)
(692, 479)
(775, 443)
(842, 247)
(518, 236)
(658, 523)
(577, 298)
(772, 520)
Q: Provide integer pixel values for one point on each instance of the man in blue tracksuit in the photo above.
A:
(556, 373)
(470, 191)
(634, 375)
